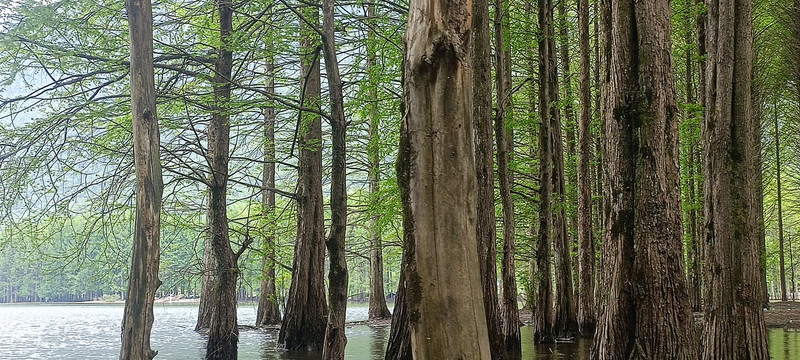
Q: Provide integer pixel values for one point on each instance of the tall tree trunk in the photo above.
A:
(694, 255)
(780, 210)
(269, 312)
(566, 73)
(734, 318)
(484, 169)
(700, 23)
(223, 333)
(645, 313)
(304, 322)
(138, 317)
(335, 339)
(377, 296)
(399, 345)
(505, 147)
(543, 313)
(443, 280)
(586, 308)
(692, 259)
(565, 324)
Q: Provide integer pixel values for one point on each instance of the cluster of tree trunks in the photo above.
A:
(644, 309)
(305, 319)
(447, 304)
(734, 320)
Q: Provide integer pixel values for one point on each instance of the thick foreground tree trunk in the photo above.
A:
(586, 299)
(484, 169)
(268, 312)
(734, 315)
(304, 323)
(335, 339)
(223, 332)
(505, 147)
(137, 320)
(443, 282)
(645, 311)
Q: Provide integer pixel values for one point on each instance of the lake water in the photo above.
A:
(92, 331)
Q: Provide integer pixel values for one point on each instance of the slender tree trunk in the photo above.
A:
(377, 296)
(223, 333)
(335, 339)
(566, 73)
(565, 324)
(138, 317)
(399, 344)
(505, 147)
(694, 256)
(586, 308)
(443, 280)
(484, 166)
(645, 312)
(780, 210)
(700, 23)
(304, 322)
(690, 207)
(734, 318)
(543, 313)
(269, 312)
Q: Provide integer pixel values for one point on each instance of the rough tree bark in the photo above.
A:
(645, 311)
(304, 322)
(399, 344)
(335, 339)
(484, 170)
(268, 312)
(505, 147)
(223, 332)
(565, 324)
(443, 282)
(377, 295)
(138, 318)
(586, 299)
(734, 318)
(543, 312)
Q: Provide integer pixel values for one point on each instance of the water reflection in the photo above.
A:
(46, 331)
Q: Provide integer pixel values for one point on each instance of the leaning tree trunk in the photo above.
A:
(304, 322)
(505, 147)
(335, 339)
(268, 312)
(377, 295)
(645, 312)
(734, 317)
(138, 317)
(484, 169)
(443, 281)
(543, 312)
(223, 332)
(586, 307)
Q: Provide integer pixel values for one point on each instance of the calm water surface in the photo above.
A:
(92, 331)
